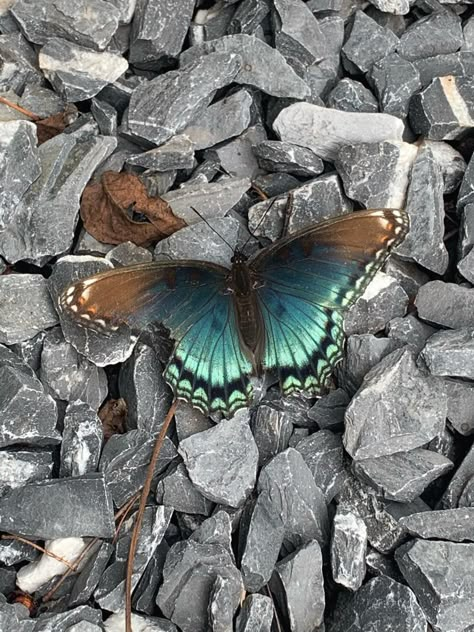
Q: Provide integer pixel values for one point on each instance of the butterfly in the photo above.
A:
(280, 311)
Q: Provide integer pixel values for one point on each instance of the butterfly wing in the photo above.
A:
(308, 280)
(207, 368)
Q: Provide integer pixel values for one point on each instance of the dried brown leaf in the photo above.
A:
(113, 416)
(105, 207)
(53, 125)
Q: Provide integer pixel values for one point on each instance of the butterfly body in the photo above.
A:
(281, 311)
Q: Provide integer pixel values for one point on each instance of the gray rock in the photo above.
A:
(64, 621)
(409, 274)
(352, 96)
(446, 304)
(19, 66)
(382, 565)
(395, 81)
(82, 440)
(348, 549)
(461, 405)
(237, 157)
(90, 575)
(42, 101)
(125, 459)
(431, 570)
(450, 353)
(105, 116)
(17, 323)
(222, 120)
(405, 475)
(24, 466)
(153, 624)
(367, 43)
(325, 131)
(455, 525)
(127, 253)
(19, 166)
(443, 110)
(158, 32)
(144, 597)
(14, 551)
(397, 408)
(68, 374)
(466, 195)
(188, 92)
(222, 604)
(383, 300)
(190, 421)
(210, 24)
(176, 153)
(222, 461)
(248, 16)
(176, 490)
(28, 414)
(271, 427)
(436, 34)
(262, 66)
(67, 162)
(396, 7)
(78, 73)
(256, 614)
(300, 502)
(368, 609)
(142, 385)
(86, 23)
(410, 331)
(328, 411)
(298, 588)
(273, 184)
(273, 155)
(425, 207)
(323, 453)
(467, 497)
(14, 616)
(81, 506)
(466, 267)
(450, 161)
(459, 482)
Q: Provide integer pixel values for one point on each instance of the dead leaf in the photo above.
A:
(53, 125)
(105, 208)
(113, 416)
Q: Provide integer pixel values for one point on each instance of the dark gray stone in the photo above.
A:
(105, 116)
(450, 161)
(397, 408)
(273, 184)
(166, 105)
(158, 32)
(425, 206)
(451, 353)
(176, 153)
(348, 549)
(81, 506)
(405, 475)
(382, 565)
(15, 616)
(323, 453)
(69, 375)
(24, 466)
(367, 43)
(222, 604)
(90, 574)
(461, 405)
(298, 588)
(458, 64)
(18, 63)
(237, 157)
(352, 96)
(432, 569)
(396, 7)
(189, 421)
(410, 331)
(446, 304)
(42, 101)
(176, 490)
(461, 480)
(125, 459)
(222, 461)
(325, 131)
(87, 23)
(17, 323)
(64, 621)
(144, 596)
(273, 155)
(248, 16)
(210, 24)
(369, 609)
(256, 614)
(455, 525)
(82, 440)
(466, 198)
(436, 34)
(467, 497)
(409, 274)
(262, 66)
(300, 502)
(395, 81)
(13, 552)
(28, 414)
(271, 427)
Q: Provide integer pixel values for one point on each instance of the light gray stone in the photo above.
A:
(450, 353)
(348, 549)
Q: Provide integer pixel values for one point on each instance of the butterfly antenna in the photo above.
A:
(212, 228)
(252, 234)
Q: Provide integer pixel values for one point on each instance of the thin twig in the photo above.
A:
(73, 567)
(259, 191)
(124, 513)
(139, 518)
(15, 106)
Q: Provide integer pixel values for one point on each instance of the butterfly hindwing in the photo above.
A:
(207, 367)
(308, 280)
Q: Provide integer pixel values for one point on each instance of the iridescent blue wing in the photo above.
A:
(207, 368)
(308, 280)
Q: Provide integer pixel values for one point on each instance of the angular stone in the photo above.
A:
(325, 131)
(116, 623)
(410, 331)
(455, 525)
(467, 497)
(275, 155)
(425, 206)
(88, 23)
(67, 507)
(328, 411)
(125, 459)
(210, 24)
(450, 161)
(271, 428)
(395, 81)
(256, 614)
(158, 32)
(348, 549)
(379, 421)
(28, 415)
(90, 574)
(24, 466)
(458, 64)
(395, 7)
(382, 565)
(19, 66)
(82, 440)
(127, 253)
(461, 405)
(176, 153)
(369, 609)
(222, 461)
(144, 597)
(367, 43)
(466, 196)
(432, 569)
(461, 480)
(446, 304)
(451, 353)
(105, 116)
(445, 109)
(466, 267)
(262, 66)
(14, 616)
(436, 34)
(300, 502)
(237, 157)
(405, 475)
(166, 105)
(352, 96)
(176, 490)
(42, 101)
(297, 586)
(67, 162)
(65, 621)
